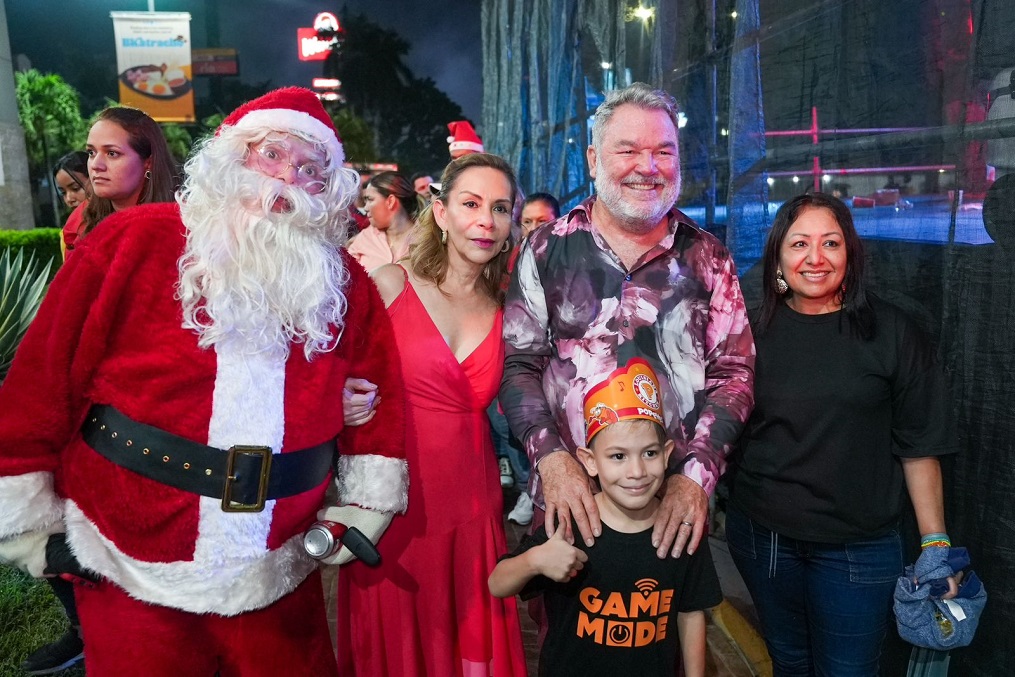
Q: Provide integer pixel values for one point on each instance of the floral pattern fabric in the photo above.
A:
(574, 313)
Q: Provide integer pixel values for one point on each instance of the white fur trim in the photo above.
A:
(465, 145)
(281, 119)
(247, 408)
(232, 569)
(228, 584)
(28, 503)
(375, 482)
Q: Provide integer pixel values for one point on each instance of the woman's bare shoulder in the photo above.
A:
(390, 280)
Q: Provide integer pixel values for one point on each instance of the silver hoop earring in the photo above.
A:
(506, 248)
(148, 174)
(444, 236)
(780, 284)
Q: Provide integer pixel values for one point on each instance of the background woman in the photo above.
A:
(70, 174)
(392, 206)
(427, 610)
(129, 164)
(850, 416)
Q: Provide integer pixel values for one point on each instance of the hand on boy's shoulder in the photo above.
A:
(557, 559)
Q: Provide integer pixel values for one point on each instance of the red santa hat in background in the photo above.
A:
(463, 137)
(289, 109)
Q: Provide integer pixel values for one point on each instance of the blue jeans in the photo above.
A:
(824, 608)
(506, 446)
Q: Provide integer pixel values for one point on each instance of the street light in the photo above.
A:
(644, 13)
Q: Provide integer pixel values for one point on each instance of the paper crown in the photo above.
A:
(290, 108)
(629, 393)
(463, 137)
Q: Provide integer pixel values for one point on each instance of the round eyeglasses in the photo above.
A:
(274, 157)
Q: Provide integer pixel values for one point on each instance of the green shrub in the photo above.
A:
(43, 242)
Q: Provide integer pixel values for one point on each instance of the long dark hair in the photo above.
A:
(393, 183)
(147, 140)
(855, 303)
(428, 256)
(75, 163)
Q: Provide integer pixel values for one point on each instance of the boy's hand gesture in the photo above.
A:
(557, 559)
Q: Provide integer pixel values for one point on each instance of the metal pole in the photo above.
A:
(712, 85)
(815, 135)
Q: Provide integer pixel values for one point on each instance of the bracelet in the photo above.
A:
(935, 540)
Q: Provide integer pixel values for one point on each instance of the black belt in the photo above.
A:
(244, 477)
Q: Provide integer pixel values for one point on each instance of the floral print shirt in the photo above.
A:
(574, 313)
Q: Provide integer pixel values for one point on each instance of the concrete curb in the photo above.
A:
(744, 639)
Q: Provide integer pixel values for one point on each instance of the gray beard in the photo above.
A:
(634, 218)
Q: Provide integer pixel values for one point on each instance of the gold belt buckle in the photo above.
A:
(228, 505)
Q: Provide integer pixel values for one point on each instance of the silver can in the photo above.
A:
(323, 539)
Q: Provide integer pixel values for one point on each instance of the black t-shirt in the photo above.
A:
(832, 414)
(618, 616)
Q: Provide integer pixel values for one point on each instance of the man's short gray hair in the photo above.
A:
(639, 94)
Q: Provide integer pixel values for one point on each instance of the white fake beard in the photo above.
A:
(265, 278)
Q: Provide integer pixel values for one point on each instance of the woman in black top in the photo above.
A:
(850, 416)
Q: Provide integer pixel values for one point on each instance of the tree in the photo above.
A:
(178, 139)
(408, 116)
(50, 114)
(357, 137)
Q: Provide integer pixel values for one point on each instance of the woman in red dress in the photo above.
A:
(427, 610)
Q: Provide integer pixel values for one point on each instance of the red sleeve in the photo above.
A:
(372, 470)
(43, 399)
(73, 225)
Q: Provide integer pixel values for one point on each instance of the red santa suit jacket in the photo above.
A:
(109, 332)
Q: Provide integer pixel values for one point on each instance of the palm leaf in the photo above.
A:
(22, 286)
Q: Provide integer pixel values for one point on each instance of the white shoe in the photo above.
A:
(522, 512)
(506, 478)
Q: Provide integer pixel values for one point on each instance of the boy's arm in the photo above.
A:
(512, 573)
(556, 559)
(691, 630)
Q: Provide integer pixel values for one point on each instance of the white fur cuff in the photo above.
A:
(374, 482)
(28, 503)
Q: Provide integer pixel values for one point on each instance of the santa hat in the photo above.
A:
(289, 109)
(463, 137)
(629, 393)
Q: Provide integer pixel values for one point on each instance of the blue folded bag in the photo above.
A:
(926, 620)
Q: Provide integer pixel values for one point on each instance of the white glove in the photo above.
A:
(27, 550)
(371, 524)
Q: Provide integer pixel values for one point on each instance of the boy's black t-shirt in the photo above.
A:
(619, 614)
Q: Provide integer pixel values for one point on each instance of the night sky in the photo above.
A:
(446, 45)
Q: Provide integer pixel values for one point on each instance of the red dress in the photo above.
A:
(427, 609)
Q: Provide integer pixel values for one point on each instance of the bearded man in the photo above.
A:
(625, 274)
(173, 412)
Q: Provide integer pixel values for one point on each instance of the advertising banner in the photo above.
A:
(215, 61)
(153, 62)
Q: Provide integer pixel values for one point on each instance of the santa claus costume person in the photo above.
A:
(179, 447)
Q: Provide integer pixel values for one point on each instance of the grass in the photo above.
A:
(30, 616)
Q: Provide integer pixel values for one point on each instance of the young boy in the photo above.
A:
(616, 608)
